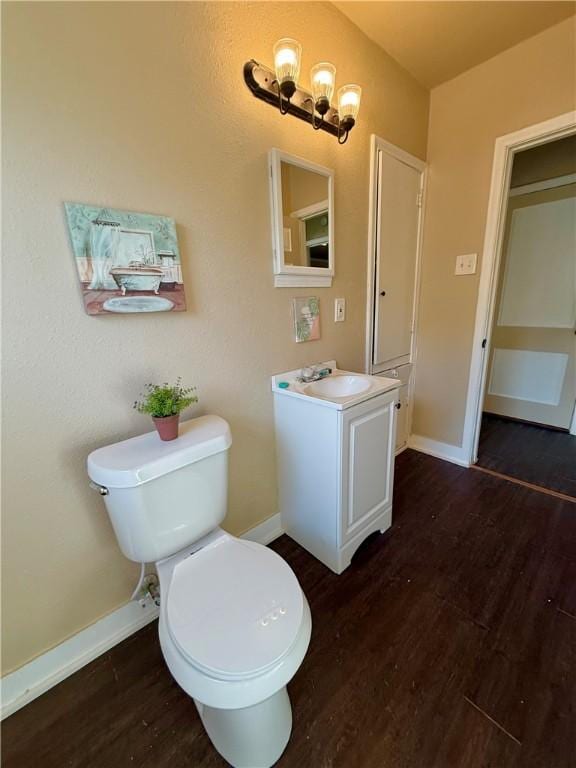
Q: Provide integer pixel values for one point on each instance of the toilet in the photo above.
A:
(234, 623)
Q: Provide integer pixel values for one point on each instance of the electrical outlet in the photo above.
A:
(466, 264)
(339, 310)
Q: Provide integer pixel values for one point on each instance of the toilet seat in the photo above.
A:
(234, 609)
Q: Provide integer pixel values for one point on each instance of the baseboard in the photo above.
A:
(42, 673)
(266, 532)
(39, 675)
(453, 453)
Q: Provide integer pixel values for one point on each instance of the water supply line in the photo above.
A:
(140, 581)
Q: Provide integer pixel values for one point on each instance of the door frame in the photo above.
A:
(377, 144)
(505, 148)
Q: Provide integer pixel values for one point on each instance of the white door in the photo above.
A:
(367, 466)
(399, 187)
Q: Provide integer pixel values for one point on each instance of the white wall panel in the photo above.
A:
(524, 375)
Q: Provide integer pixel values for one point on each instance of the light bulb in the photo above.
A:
(349, 103)
(322, 76)
(285, 58)
(287, 53)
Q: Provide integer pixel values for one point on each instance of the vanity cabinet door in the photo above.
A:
(368, 435)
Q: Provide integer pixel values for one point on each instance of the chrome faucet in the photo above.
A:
(313, 373)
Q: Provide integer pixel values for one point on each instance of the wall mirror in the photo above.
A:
(302, 207)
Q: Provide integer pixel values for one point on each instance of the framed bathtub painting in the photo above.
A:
(126, 262)
(306, 316)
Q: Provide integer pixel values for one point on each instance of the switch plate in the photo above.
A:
(339, 310)
(466, 264)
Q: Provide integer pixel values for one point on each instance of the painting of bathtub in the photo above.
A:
(127, 262)
(137, 276)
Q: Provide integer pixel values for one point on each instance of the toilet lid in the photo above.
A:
(234, 608)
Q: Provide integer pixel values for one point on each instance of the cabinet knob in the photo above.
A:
(398, 406)
(382, 293)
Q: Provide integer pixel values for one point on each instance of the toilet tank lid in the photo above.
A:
(146, 457)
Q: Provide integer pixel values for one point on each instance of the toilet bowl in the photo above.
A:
(234, 623)
(234, 627)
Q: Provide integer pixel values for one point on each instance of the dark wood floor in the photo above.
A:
(449, 643)
(537, 455)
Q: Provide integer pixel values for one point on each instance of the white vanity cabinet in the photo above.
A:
(367, 474)
(335, 470)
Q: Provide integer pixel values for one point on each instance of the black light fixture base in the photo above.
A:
(347, 124)
(263, 84)
(322, 105)
(288, 89)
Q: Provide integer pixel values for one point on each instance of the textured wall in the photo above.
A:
(529, 83)
(142, 106)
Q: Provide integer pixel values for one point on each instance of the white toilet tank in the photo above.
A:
(163, 496)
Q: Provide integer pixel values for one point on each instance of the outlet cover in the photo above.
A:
(339, 310)
(466, 264)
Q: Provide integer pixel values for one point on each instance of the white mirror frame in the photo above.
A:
(287, 275)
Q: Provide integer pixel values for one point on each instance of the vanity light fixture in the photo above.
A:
(322, 77)
(348, 106)
(279, 87)
(287, 55)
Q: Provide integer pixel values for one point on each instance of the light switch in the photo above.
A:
(339, 310)
(466, 264)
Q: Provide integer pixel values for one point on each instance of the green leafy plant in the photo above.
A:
(161, 400)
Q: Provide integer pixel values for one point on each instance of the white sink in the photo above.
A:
(338, 386)
(340, 390)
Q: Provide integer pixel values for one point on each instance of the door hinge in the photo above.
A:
(419, 200)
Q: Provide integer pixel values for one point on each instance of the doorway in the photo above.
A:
(528, 409)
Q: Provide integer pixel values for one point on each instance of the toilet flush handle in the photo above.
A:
(100, 488)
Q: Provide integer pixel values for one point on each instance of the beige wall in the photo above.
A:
(531, 82)
(300, 189)
(143, 106)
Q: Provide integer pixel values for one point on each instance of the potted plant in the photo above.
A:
(165, 403)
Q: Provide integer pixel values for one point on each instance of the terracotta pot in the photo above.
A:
(167, 426)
